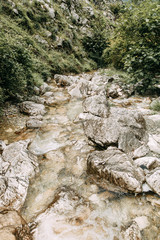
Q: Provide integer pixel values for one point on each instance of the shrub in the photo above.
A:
(15, 68)
(134, 45)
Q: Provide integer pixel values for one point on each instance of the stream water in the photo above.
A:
(85, 209)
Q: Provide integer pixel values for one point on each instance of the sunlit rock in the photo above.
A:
(154, 143)
(140, 152)
(153, 180)
(97, 105)
(123, 128)
(17, 166)
(116, 167)
(32, 108)
(148, 163)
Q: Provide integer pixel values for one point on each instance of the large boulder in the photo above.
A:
(32, 108)
(116, 167)
(97, 105)
(17, 166)
(123, 128)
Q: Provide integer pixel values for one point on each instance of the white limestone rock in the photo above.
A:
(116, 167)
(32, 108)
(122, 127)
(154, 143)
(153, 180)
(17, 166)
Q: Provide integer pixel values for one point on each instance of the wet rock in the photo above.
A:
(11, 225)
(97, 105)
(63, 217)
(7, 234)
(34, 122)
(11, 219)
(116, 167)
(132, 232)
(122, 127)
(17, 166)
(45, 142)
(153, 180)
(114, 91)
(32, 108)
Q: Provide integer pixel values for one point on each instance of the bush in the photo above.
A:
(134, 45)
(15, 69)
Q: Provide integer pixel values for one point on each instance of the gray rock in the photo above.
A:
(153, 180)
(32, 108)
(122, 127)
(116, 167)
(17, 166)
(97, 105)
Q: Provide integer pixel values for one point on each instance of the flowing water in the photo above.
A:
(67, 202)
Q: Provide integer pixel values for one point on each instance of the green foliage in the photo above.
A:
(134, 45)
(15, 68)
(98, 41)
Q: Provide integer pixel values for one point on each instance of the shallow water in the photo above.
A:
(88, 209)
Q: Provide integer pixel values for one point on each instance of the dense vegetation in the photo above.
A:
(41, 38)
(135, 44)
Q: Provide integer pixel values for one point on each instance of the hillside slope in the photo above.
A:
(42, 37)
